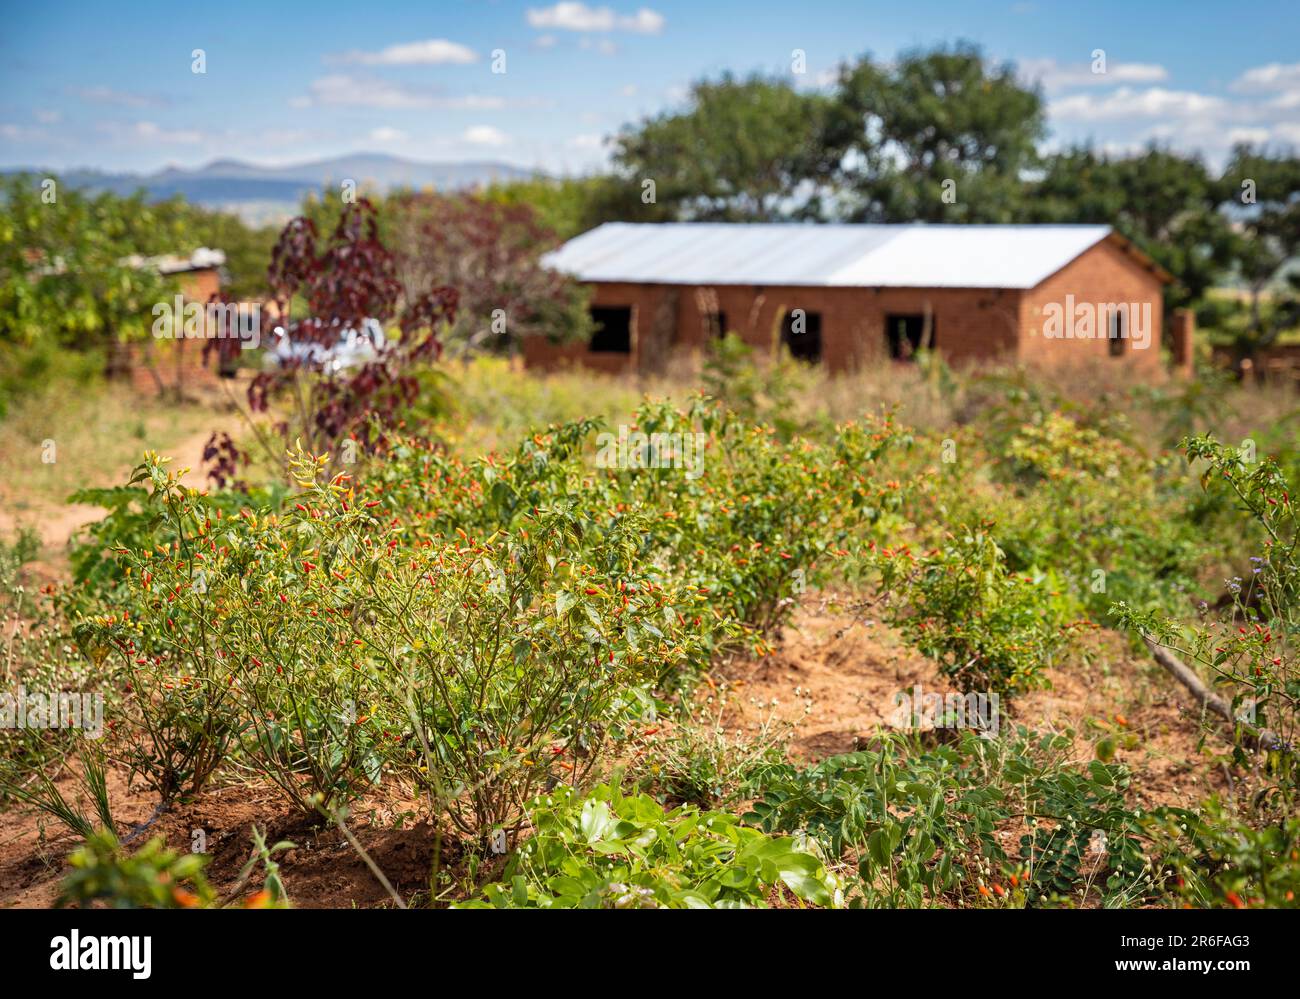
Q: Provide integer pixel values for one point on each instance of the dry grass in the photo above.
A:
(95, 433)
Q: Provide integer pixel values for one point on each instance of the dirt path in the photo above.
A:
(57, 523)
(834, 680)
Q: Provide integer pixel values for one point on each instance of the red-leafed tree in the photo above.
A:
(320, 291)
(491, 254)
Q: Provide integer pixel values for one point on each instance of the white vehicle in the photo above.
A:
(352, 349)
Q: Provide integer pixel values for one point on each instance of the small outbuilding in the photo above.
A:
(847, 296)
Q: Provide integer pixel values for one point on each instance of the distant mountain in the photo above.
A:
(262, 193)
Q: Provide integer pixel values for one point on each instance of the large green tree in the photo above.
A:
(1260, 192)
(68, 273)
(1165, 202)
(739, 152)
(943, 135)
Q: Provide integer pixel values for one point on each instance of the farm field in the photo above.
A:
(872, 641)
(605, 456)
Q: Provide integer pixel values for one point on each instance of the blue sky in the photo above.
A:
(111, 85)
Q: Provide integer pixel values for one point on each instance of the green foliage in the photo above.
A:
(736, 154)
(610, 851)
(39, 656)
(1250, 651)
(758, 393)
(490, 252)
(988, 629)
(947, 115)
(135, 522)
(754, 520)
(1264, 191)
(1216, 860)
(324, 650)
(930, 826)
(698, 760)
(1075, 507)
(569, 206)
(487, 631)
(154, 877)
(46, 796)
(71, 271)
(43, 362)
(65, 272)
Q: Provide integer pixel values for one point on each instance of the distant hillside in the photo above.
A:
(263, 194)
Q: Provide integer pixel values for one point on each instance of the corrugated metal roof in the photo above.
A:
(871, 256)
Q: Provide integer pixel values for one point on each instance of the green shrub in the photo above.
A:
(988, 629)
(324, 649)
(1216, 860)
(933, 826)
(613, 851)
(154, 877)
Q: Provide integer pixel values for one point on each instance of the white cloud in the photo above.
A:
(47, 116)
(433, 51)
(1126, 102)
(1255, 136)
(590, 141)
(629, 90)
(602, 45)
(1274, 76)
(1054, 76)
(118, 98)
(386, 134)
(20, 133)
(485, 135)
(1288, 133)
(544, 41)
(150, 132)
(340, 90)
(570, 16)
(827, 78)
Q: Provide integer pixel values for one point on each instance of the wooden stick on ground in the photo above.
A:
(1265, 739)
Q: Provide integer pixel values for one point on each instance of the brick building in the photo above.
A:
(853, 295)
(176, 363)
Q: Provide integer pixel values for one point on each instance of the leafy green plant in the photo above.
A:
(988, 629)
(612, 851)
(325, 649)
(172, 666)
(1217, 860)
(928, 826)
(695, 759)
(1249, 649)
(272, 894)
(154, 877)
(135, 522)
